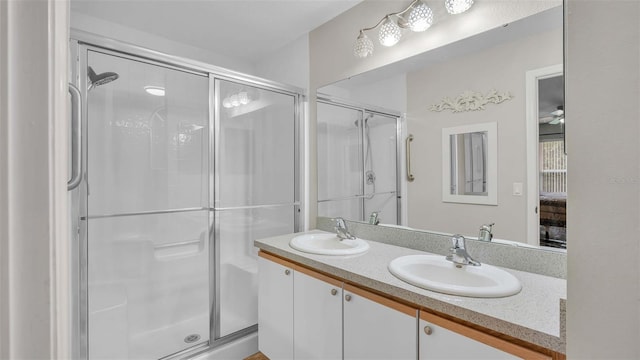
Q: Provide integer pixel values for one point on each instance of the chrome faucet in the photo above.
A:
(485, 232)
(459, 254)
(341, 229)
(373, 218)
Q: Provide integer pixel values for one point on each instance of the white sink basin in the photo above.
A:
(434, 272)
(328, 244)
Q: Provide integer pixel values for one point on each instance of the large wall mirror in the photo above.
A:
(463, 85)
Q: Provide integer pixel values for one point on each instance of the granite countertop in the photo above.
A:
(533, 315)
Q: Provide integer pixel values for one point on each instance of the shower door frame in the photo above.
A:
(80, 44)
(376, 110)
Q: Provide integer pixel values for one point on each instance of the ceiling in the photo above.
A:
(551, 95)
(242, 29)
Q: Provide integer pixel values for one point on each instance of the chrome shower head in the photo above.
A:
(369, 116)
(100, 79)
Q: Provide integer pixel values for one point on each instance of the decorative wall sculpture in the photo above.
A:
(471, 101)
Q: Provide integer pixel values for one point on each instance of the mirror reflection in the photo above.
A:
(469, 159)
(357, 162)
(454, 86)
(468, 162)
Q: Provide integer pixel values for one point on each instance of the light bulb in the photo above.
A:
(234, 100)
(390, 33)
(243, 97)
(227, 103)
(154, 90)
(457, 6)
(420, 17)
(363, 46)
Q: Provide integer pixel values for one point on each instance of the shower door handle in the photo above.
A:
(76, 138)
(410, 176)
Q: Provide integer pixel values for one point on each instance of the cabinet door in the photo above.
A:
(377, 328)
(317, 316)
(275, 309)
(443, 339)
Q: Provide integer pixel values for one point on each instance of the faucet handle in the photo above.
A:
(339, 222)
(485, 232)
(373, 218)
(459, 242)
(487, 226)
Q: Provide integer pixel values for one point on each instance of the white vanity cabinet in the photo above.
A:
(306, 315)
(317, 316)
(317, 311)
(299, 312)
(275, 314)
(377, 328)
(440, 339)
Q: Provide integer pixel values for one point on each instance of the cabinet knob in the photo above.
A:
(287, 272)
(428, 330)
(334, 291)
(347, 297)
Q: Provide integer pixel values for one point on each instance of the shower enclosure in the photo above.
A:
(183, 166)
(358, 161)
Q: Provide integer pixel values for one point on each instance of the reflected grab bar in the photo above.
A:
(177, 244)
(410, 176)
(76, 138)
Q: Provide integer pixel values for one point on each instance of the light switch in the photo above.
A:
(517, 189)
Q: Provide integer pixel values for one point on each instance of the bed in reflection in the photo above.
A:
(553, 220)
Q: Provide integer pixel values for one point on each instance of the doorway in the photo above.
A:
(546, 158)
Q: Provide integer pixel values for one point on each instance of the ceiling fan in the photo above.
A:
(556, 117)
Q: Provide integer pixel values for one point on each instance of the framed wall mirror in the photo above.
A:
(469, 164)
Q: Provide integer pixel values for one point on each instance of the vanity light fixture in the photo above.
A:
(416, 17)
(235, 100)
(457, 6)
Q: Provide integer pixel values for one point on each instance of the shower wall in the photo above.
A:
(357, 163)
(177, 186)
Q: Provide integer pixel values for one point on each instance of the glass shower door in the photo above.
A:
(148, 223)
(340, 191)
(357, 163)
(256, 193)
(380, 167)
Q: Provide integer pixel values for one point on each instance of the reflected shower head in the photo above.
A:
(369, 116)
(365, 120)
(100, 79)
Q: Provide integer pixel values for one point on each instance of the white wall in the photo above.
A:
(4, 181)
(603, 211)
(33, 173)
(331, 45)
(389, 93)
(288, 65)
(502, 68)
(132, 36)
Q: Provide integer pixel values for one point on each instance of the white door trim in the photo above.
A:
(533, 197)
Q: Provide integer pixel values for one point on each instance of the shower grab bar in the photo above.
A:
(410, 176)
(177, 244)
(76, 138)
